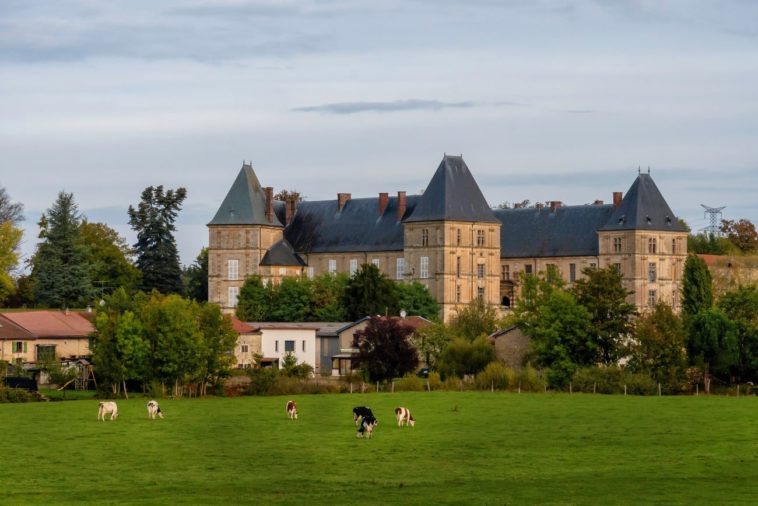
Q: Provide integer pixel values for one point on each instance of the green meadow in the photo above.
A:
(466, 448)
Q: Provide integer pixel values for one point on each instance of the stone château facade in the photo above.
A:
(447, 238)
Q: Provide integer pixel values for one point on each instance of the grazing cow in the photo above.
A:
(360, 412)
(292, 410)
(107, 407)
(404, 416)
(153, 409)
(366, 428)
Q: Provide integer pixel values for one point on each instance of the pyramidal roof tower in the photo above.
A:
(452, 195)
(643, 208)
(246, 203)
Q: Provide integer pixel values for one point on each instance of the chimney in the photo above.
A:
(269, 203)
(616, 199)
(383, 199)
(539, 205)
(555, 204)
(289, 210)
(400, 205)
(598, 203)
(342, 199)
(517, 205)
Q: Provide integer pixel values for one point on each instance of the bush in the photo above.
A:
(262, 380)
(495, 375)
(410, 383)
(8, 395)
(641, 384)
(435, 382)
(531, 380)
(611, 380)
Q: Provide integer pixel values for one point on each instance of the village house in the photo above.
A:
(39, 336)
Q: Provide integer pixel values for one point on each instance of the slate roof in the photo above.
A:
(452, 194)
(567, 231)
(643, 208)
(320, 227)
(245, 203)
(282, 253)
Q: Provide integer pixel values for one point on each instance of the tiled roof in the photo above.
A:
(11, 331)
(538, 232)
(245, 203)
(241, 327)
(452, 194)
(52, 323)
(643, 208)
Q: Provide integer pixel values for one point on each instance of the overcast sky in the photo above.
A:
(546, 100)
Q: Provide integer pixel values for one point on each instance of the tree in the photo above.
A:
(10, 211)
(741, 307)
(369, 292)
(254, 301)
(476, 319)
(697, 286)
(10, 238)
(432, 341)
(290, 300)
(709, 244)
(384, 349)
(157, 256)
(110, 258)
(416, 300)
(23, 292)
(59, 266)
(287, 195)
(463, 357)
(659, 347)
(603, 295)
(742, 234)
(712, 342)
(218, 342)
(196, 278)
(327, 291)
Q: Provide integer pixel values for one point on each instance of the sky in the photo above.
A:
(545, 99)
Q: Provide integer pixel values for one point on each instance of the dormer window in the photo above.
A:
(649, 221)
(622, 219)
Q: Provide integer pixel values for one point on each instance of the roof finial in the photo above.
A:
(639, 171)
(648, 169)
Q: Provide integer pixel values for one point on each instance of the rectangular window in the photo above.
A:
(18, 347)
(593, 265)
(282, 271)
(480, 237)
(353, 266)
(303, 345)
(651, 297)
(505, 272)
(572, 272)
(332, 266)
(673, 246)
(244, 348)
(617, 267)
(233, 267)
(458, 236)
(457, 293)
(651, 272)
(652, 245)
(311, 272)
(400, 268)
(528, 269)
(479, 270)
(289, 346)
(424, 267)
(480, 292)
(375, 261)
(458, 266)
(233, 295)
(45, 352)
(425, 237)
(617, 244)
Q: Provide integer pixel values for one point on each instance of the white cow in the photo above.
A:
(404, 416)
(105, 408)
(153, 409)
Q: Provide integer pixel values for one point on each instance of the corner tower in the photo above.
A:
(646, 243)
(452, 240)
(239, 236)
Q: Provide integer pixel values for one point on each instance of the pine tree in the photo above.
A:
(697, 289)
(157, 255)
(59, 266)
(196, 278)
(369, 292)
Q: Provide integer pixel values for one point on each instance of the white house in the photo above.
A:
(279, 339)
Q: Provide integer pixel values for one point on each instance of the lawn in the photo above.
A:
(466, 448)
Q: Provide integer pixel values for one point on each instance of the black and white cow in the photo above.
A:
(404, 416)
(153, 410)
(366, 428)
(360, 412)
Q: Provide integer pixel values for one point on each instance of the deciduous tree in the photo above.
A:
(385, 350)
(697, 288)
(10, 238)
(109, 257)
(463, 357)
(9, 210)
(712, 342)
(416, 300)
(742, 234)
(741, 307)
(254, 301)
(369, 292)
(196, 278)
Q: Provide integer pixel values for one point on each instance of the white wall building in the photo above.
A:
(280, 339)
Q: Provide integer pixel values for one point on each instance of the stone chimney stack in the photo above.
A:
(269, 203)
(400, 205)
(598, 203)
(342, 199)
(517, 205)
(555, 204)
(617, 199)
(539, 205)
(289, 210)
(383, 199)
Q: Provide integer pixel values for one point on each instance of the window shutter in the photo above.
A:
(25, 347)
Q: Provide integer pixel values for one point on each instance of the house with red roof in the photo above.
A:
(36, 336)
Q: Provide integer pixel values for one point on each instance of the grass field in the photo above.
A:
(466, 448)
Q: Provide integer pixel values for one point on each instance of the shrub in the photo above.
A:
(409, 383)
(17, 395)
(641, 384)
(531, 380)
(611, 380)
(262, 380)
(435, 382)
(495, 375)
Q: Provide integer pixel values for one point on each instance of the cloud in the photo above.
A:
(393, 106)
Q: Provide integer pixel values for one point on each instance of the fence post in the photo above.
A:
(571, 388)
(351, 387)
(393, 386)
(738, 389)
(659, 389)
(377, 387)
(428, 386)
(492, 386)
(594, 388)
(697, 389)
(624, 388)
(519, 386)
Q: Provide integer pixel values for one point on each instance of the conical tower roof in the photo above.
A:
(643, 208)
(245, 203)
(452, 195)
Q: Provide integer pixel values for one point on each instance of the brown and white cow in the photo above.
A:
(292, 410)
(404, 416)
(107, 407)
(153, 409)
